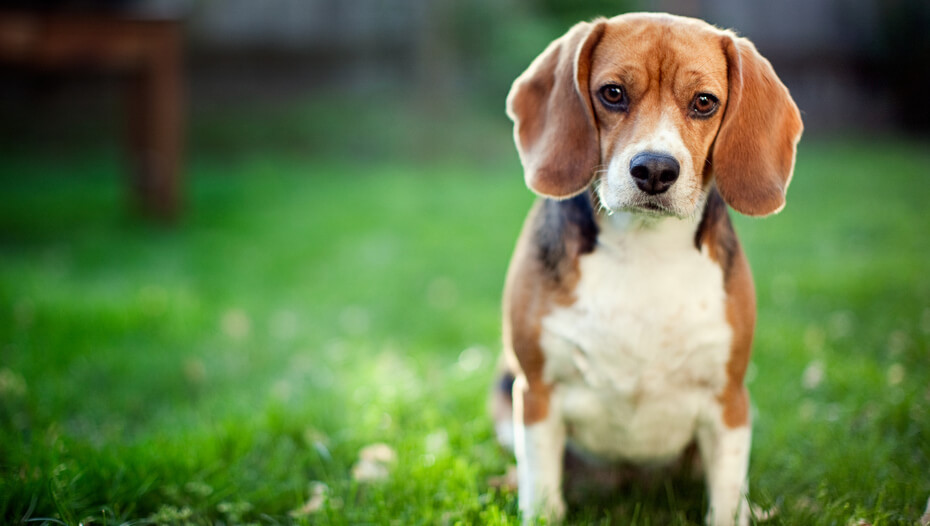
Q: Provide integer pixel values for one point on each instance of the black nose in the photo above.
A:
(654, 173)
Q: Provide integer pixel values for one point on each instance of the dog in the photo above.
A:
(629, 307)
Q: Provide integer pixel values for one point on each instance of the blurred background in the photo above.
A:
(853, 66)
(169, 79)
(241, 240)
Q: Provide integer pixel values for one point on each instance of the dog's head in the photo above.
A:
(652, 108)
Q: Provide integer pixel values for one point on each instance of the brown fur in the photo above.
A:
(715, 235)
(555, 133)
(753, 156)
(531, 290)
(741, 313)
(699, 66)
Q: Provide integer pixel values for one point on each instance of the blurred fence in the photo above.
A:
(857, 65)
(851, 64)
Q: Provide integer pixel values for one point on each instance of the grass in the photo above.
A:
(310, 305)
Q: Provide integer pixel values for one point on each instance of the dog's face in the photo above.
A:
(657, 96)
(652, 109)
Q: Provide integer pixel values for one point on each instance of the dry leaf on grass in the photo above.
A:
(925, 519)
(763, 514)
(318, 494)
(374, 462)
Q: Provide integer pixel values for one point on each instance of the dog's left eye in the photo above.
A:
(704, 105)
(614, 97)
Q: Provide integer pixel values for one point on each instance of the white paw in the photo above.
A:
(552, 511)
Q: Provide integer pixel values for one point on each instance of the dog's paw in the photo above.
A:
(552, 511)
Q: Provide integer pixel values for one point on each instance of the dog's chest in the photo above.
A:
(641, 354)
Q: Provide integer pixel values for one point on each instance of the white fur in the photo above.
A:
(505, 431)
(539, 449)
(637, 363)
(725, 454)
(618, 191)
(641, 354)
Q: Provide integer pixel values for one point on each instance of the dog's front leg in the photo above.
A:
(539, 445)
(725, 456)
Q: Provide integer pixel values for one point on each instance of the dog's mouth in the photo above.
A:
(646, 207)
(653, 207)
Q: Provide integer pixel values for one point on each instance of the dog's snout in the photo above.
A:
(654, 173)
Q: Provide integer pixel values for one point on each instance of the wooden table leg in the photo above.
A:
(149, 53)
(155, 114)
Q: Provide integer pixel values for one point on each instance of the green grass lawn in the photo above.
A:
(227, 370)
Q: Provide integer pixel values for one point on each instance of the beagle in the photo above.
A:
(629, 307)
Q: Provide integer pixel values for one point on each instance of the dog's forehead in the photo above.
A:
(662, 46)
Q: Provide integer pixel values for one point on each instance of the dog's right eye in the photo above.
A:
(613, 97)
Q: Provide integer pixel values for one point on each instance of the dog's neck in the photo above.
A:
(625, 227)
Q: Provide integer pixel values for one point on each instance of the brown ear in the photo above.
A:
(753, 156)
(553, 119)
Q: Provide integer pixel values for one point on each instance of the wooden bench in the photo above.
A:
(148, 53)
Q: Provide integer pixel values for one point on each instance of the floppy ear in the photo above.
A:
(553, 119)
(753, 156)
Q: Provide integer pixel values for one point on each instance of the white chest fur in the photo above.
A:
(638, 359)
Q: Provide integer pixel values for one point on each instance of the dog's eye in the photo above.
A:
(613, 97)
(704, 105)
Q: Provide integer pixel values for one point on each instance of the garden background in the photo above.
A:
(351, 198)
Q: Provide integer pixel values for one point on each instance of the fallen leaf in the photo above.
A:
(378, 452)
(318, 494)
(374, 463)
(762, 514)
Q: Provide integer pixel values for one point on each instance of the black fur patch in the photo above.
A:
(505, 384)
(717, 218)
(565, 229)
